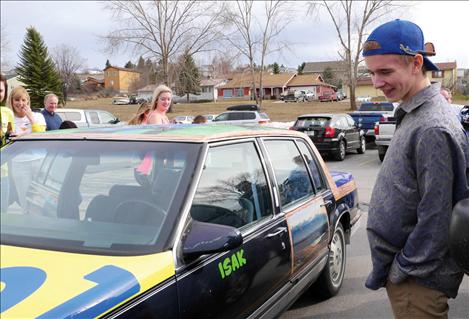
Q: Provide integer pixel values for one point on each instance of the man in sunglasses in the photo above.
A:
(425, 173)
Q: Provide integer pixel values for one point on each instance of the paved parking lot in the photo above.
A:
(354, 300)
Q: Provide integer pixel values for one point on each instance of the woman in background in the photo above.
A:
(142, 115)
(26, 121)
(160, 105)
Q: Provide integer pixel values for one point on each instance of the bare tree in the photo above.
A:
(162, 30)
(254, 39)
(5, 48)
(243, 36)
(67, 62)
(275, 22)
(351, 20)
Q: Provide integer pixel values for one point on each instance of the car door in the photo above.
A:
(234, 190)
(353, 132)
(305, 209)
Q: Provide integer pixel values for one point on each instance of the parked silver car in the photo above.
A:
(242, 117)
(88, 118)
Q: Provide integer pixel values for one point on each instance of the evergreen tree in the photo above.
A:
(300, 68)
(129, 65)
(188, 79)
(107, 63)
(328, 75)
(276, 68)
(36, 69)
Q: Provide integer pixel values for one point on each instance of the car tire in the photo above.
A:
(362, 148)
(340, 154)
(332, 276)
(382, 152)
(381, 156)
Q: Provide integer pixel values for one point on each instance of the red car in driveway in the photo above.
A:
(328, 97)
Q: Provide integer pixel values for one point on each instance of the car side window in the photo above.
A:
(94, 117)
(106, 117)
(290, 171)
(313, 165)
(235, 116)
(350, 120)
(249, 115)
(233, 188)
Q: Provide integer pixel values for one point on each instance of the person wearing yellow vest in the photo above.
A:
(7, 120)
(26, 121)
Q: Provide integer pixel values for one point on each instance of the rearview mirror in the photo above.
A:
(459, 234)
(206, 238)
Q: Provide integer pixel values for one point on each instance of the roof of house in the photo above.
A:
(268, 80)
(307, 80)
(210, 82)
(364, 81)
(446, 65)
(120, 69)
(319, 67)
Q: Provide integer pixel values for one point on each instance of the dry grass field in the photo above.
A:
(277, 110)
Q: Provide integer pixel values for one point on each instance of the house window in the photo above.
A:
(239, 92)
(227, 93)
(437, 74)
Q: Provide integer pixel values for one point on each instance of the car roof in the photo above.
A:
(321, 115)
(174, 132)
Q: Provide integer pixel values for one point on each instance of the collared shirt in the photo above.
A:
(424, 174)
(53, 120)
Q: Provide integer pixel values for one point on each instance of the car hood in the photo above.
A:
(341, 178)
(51, 284)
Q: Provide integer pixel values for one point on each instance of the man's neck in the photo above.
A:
(420, 84)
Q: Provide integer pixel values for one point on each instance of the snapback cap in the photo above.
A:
(400, 37)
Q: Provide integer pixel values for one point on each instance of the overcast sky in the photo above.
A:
(78, 24)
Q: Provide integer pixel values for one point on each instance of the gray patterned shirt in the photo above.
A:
(424, 174)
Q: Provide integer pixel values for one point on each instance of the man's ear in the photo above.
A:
(417, 63)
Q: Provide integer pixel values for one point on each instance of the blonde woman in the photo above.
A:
(26, 121)
(142, 114)
(160, 105)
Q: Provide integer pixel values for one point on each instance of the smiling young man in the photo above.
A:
(424, 174)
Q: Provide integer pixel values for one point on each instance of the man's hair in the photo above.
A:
(408, 59)
(48, 96)
(199, 119)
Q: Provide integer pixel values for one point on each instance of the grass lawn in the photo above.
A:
(277, 110)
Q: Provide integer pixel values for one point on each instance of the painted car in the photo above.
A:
(193, 221)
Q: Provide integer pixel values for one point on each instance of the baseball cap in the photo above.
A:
(400, 37)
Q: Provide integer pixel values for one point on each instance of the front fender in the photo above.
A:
(342, 215)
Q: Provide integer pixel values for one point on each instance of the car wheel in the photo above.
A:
(340, 155)
(362, 148)
(382, 152)
(332, 277)
(381, 156)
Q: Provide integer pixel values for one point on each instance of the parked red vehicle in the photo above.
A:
(328, 97)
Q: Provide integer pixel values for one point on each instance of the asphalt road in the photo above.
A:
(354, 300)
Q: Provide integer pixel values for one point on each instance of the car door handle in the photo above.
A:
(326, 203)
(277, 232)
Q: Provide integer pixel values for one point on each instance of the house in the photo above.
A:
(364, 87)
(311, 82)
(120, 79)
(210, 88)
(146, 92)
(447, 75)
(93, 83)
(239, 85)
(13, 81)
(338, 68)
(462, 82)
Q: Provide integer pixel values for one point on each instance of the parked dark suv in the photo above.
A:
(332, 133)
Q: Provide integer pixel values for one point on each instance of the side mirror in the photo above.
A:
(459, 234)
(115, 121)
(206, 238)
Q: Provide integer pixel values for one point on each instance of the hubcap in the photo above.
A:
(363, 144)
(342, 150)
(336, 259)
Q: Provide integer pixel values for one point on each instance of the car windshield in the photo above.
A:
(104, 197)
(312, 121)
(388, 107)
